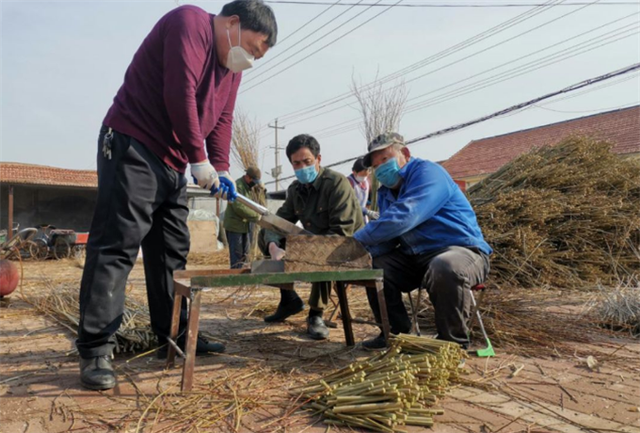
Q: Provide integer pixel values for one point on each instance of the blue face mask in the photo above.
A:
(388, 173)
(307, 174)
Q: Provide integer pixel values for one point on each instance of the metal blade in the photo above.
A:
(267, 266)
(270, 221)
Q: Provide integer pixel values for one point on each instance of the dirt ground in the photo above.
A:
(247, 389)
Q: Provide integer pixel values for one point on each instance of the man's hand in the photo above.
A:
(205, 175)
(227, 188)
(275, 252)
(373, 215)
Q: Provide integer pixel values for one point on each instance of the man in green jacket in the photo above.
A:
(324, 202)
(238, 219)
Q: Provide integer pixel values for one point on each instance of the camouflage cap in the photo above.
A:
(254, 173)
(382, 141)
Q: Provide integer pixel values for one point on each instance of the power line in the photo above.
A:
(426, 61)
(323, 47)
(451, 5)
(474, 54)
(513, 108)
(308, 45)
(270, 59)
(628, 104)
(506, 75)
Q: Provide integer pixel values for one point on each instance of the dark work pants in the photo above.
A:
(239, 244)
(447, 275)
(141, 201)
(320, 292)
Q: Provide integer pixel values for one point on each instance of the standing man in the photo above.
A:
(427, 236)
(174, 108)
(359, 180)
(238, 219)
(322, 200)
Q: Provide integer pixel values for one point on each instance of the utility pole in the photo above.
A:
(277, 171)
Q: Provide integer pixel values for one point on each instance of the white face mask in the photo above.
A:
(238, 58)
(361, 178)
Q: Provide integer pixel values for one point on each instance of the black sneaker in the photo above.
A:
(204, 347)
(285, 310)
(97, 373)
(375, 343)
(316, 328)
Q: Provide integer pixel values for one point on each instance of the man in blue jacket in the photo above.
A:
(427, 236)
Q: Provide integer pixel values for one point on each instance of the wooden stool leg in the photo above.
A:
(341, 288)
(192, 341)
(383, 310)
(175, 325)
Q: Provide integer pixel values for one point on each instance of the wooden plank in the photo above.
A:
(284, 278)
(175, 326)
(181, 275)
(192, 342)
(324, 253)
(341, 288)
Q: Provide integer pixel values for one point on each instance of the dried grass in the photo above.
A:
(564, 216)
(61, 303)
(617, 308)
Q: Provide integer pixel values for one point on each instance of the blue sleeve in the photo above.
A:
(426, 190)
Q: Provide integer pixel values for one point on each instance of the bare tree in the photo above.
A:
(245, 144)
(245, 140)
(381, 111)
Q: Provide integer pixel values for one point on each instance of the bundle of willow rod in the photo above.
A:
(563, 216)
(389, 390)
(133, 335)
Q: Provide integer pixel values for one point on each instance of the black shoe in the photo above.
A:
(204, 347)
(375, 343)
(285, 310)
(316, 328)
(97, 373)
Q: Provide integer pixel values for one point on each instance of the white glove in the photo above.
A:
(228, 176)
(373, 214)
(275, 252)
(205, 175)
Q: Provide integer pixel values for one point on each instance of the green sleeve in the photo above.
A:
(241, 210)
(286, 211)
(345, 215)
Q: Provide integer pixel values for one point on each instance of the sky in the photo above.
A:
(63, 62)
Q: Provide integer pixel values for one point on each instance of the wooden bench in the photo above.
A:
(192, 284)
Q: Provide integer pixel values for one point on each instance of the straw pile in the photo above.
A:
(617, 308)
(389, 390)
(563, 216)
(134, 334)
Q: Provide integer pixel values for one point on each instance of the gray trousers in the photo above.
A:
(447, 275)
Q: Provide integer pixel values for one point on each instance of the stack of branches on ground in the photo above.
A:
(61, 303)
(532, 323)
(617, 308)
(563, 216)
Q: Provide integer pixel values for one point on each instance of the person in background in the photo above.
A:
(322, 200)
(238, 219)
(427, 236)
(359, 180)
(174, 109)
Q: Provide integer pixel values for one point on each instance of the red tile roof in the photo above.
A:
(485, 156)
(30, 174)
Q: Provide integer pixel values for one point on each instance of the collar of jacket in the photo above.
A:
(316, 183)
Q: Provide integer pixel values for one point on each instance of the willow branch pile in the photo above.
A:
(564, 216)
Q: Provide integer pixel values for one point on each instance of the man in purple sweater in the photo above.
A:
(175, 108)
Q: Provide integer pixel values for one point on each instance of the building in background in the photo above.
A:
(480, 158)
(34, 195)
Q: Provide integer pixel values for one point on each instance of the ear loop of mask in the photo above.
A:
(239, 35)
